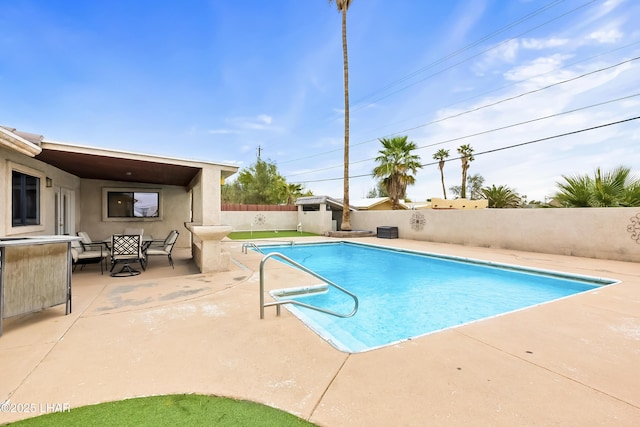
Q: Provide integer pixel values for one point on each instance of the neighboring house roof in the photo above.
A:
(314, 200)
(373, 202)
(317, 200)
(112, 165)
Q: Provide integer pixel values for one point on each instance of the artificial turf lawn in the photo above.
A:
(244, 235)
(170, 410)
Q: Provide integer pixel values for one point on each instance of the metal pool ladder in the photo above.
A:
(257, 248)
(294, 302)
(251, 245)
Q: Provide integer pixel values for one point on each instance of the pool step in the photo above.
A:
(301, 290)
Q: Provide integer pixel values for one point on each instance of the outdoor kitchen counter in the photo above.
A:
(35, 273)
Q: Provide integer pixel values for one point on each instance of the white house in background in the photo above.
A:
(53, 188)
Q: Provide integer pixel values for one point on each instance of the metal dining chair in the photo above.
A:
(127, 249)
(164, 247)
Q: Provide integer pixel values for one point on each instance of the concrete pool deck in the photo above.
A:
(573, 362)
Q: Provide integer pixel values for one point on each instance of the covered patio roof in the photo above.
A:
(111, 165)
(92, 163)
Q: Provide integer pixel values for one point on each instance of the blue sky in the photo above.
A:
(214, 80)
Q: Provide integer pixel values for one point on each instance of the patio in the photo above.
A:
(569, 362)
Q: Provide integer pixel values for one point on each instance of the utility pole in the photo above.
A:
(259, 151)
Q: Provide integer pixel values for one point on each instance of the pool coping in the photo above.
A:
(570, 362)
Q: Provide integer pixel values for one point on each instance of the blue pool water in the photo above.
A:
(404, 295)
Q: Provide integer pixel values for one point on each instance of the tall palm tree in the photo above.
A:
(343, 5)
(501, 197)
(440, 155)
(397, 167)
(466, 156)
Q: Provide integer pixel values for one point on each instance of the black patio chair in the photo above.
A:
(127, 249)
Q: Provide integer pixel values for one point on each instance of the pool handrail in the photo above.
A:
(294, 302)
(259, 249)
(250, 244)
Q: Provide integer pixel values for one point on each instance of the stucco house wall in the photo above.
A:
(10, 160)
(174, 211)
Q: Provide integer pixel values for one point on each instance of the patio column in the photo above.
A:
(207, 232)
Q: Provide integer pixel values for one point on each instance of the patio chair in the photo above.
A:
(164, 247)
(81, 256)
(127, 249)
(89, 243)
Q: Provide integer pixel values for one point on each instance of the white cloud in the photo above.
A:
(538, 44)
(535, 68)
(265, 119)
(606, 36)
(259, 122)
(505, 52)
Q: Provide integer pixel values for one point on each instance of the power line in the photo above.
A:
(477, 108)
(461, 50)
(493, 104)
(496, 149)
(599, 104)
(355, 109)
(536, 76)
(526, 122)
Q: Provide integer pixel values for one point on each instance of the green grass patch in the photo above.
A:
(246, 235)
(171, 410)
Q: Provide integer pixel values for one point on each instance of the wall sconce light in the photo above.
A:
(49, 182)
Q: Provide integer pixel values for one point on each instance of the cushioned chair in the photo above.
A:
(164, 247)
(127, 249)
(81, 256)
(89, 243)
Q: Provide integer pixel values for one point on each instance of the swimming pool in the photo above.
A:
(406, 294)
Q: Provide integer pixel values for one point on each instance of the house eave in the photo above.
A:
(16, 143)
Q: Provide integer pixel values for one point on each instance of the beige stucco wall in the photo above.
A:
(174, 210)
(312, 222)
(9, 160)
(588, 232)
(260, 220)
(315, 222)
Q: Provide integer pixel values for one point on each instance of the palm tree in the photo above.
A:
(501, 197)
(466, 156)
(397, 167)
(291, 192)
(605, 189)
(574, 192)
(440, 155)
(343, 5)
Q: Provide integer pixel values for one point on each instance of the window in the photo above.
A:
(129, 204)
(25, 199)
